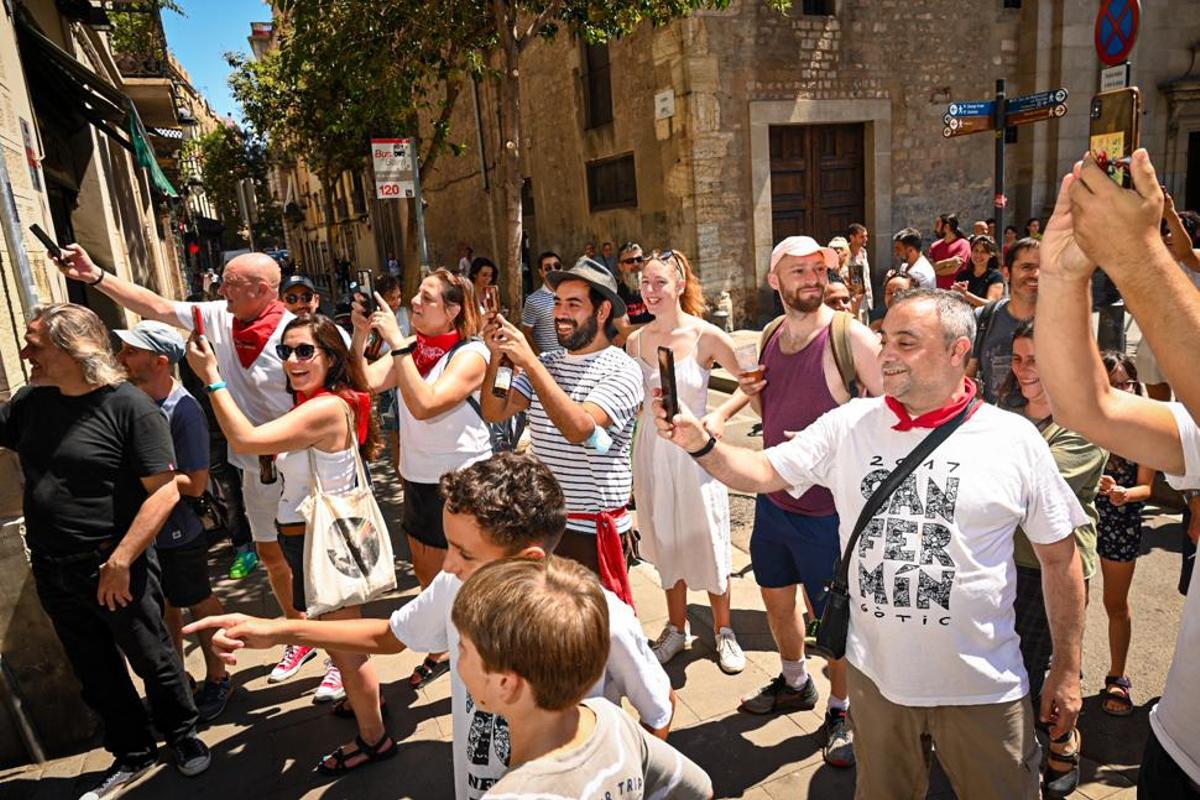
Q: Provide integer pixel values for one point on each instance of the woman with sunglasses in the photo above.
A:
(980, 281)
(331, 418)
(683, 512)
(437, 379)
(1124, 490)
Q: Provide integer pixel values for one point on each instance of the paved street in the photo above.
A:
(271, 736)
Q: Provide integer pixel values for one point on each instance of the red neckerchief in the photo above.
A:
(430, 349)
(939, 416)
(249, 338)
(614, 572)
(360, 402)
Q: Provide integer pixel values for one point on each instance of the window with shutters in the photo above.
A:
(598, 84)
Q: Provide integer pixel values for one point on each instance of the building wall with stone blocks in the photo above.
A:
(703, 174)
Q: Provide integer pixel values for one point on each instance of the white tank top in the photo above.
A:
(336, 470)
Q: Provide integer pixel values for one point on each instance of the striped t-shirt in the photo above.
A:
(590, 482)
(538, 314)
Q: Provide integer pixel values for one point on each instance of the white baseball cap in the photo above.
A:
(803, 246)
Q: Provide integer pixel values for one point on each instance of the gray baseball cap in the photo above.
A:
(157, 337)
(594, 274)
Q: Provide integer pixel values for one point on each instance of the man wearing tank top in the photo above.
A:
(795, 539)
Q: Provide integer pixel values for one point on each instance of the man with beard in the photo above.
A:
(991, 357)
(582, 403)
(795, 539)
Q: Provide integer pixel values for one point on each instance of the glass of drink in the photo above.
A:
(747, 362)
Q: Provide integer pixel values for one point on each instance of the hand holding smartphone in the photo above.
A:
(491, 299)
(666, 374)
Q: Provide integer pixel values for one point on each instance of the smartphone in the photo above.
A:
(491, 299)
(366, 288)
(197, 321)
(51, 245)
(1114, 131)
(666, 374)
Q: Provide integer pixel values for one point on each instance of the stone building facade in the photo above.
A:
(724, 131)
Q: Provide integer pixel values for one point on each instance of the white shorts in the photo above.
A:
(262, 504)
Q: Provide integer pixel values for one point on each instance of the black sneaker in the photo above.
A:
(212, 698)
(191, 755)
(779, 698)
(117, 779)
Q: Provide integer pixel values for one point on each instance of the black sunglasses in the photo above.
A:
(553, 265)
(292, 299)
(634, 260)
(304, 352)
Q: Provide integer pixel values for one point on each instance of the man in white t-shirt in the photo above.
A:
(582, 402)
(243, 329)
(907, 244)
(932, 647)
(1096, 220)
(510, 505)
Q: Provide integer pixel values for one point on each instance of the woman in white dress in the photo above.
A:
(683, 512)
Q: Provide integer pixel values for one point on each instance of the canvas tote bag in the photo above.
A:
(348, 559)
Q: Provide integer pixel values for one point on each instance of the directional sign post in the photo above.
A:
(975, 116)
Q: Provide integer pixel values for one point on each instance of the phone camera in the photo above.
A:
(1096, 108)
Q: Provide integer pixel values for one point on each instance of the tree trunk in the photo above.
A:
(510, 155)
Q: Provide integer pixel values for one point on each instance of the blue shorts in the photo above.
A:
(788, 549)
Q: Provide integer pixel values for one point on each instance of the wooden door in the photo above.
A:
(817, 186)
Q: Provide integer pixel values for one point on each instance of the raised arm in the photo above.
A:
(1120, 228)
(77, 265)
(1133, 427)
(493, 408)
(462, 376)
(378, 373)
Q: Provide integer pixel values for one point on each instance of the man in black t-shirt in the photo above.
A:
(99, 484)
(630, 291)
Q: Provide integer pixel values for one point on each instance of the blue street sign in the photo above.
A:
(1034, 101)
(975, 108)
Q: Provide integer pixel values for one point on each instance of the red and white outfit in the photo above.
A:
(254, 375)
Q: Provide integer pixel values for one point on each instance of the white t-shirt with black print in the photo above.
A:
(932, 581)
(481, 747)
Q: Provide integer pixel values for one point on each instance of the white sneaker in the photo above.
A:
(730, 657)
(330, 689)
(670, 642)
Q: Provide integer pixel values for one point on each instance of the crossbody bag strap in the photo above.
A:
(360, 469)
(892, 481)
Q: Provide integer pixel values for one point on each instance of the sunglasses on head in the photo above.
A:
(292, 299)
(304, 352)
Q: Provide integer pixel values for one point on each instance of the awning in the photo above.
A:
(77, 95)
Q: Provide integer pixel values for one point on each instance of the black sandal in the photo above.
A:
(342, 708)
(427, 670)
(1059, 783)
(1118, 698)
(373, 753)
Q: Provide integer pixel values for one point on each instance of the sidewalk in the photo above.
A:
(271, 736)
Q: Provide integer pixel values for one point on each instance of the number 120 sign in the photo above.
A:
(393, 160)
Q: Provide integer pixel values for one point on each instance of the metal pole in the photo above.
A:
(14, 241)
(420, 212)
(998, 200)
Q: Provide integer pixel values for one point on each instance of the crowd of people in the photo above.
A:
(942, 473)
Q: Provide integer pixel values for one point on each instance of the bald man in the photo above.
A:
(243, 330)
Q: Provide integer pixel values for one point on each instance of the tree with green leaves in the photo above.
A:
(348, 69)
(227, 157)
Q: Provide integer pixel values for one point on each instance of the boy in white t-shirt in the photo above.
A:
(534, 640)
(509, 505)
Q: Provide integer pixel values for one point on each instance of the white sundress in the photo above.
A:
(682, 511)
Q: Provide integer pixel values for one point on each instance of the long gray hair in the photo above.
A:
(79, 333)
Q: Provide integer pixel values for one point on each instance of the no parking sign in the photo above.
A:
(1117, 29)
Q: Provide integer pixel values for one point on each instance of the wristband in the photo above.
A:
(703, 451)
(212, 387)
(404, 351)
(97, 281)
